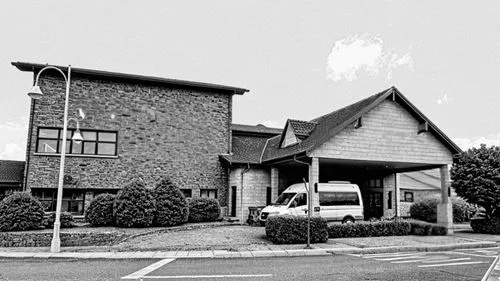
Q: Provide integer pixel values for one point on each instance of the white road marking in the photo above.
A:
(445, 260)
(370, 256)
(206, 276)
(474, 255)
(450, 264)
(419, 259)
(400, 258)
(140, 273)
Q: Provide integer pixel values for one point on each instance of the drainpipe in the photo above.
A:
(309, 203)
(243, 171)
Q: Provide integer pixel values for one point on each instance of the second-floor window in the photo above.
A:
(95, 142)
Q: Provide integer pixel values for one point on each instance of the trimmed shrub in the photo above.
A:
(426, 210)
(293, 230)
(134, 206)
(67, 220)
(484, 225)
(171, 205)
(203, 209)
(463, 211)
(369, 229)
(426, 229)
(20, 211)
(100, 210)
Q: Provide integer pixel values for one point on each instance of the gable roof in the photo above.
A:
(331, 124)
(11, 171)
(35, 67)
(302, 128)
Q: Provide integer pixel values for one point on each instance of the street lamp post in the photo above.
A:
(37, 94)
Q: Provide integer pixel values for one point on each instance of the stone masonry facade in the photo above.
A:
(162, 131)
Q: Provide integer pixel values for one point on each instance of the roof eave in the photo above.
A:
(33, 67)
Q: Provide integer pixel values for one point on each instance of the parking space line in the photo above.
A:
(399, 258)
(141, 272)
(450, 264)
(445, 260)
(207, 276)
(373, 256)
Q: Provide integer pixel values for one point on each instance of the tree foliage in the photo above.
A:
(474, 174)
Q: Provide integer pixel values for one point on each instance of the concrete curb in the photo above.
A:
(395, 249)
(223, 254)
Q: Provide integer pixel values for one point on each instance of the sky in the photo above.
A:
(299, 59)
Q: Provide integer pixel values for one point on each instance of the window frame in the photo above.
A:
(184, 190)
(208, 192)
(53, 200)
(412, 196)
(69, 148)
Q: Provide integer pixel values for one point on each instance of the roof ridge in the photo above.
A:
(314, 122)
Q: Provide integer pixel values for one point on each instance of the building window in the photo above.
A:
(376, 183)
(209, 193)
(188, 193)
(94, 142)
(408, 197)
(72, 202)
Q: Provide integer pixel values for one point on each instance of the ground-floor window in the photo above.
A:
(72, 201)
(210, 193)
(188, 193)
(408, 197)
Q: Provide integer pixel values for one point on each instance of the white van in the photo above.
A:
(338, 201)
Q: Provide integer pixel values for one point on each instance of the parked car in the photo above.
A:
(338, 201)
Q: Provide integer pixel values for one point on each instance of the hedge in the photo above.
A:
(100, 210)
(171, 206)
(293, 229)
(426, 210)
(369, 229)
(203, 209)
(425, 228)
(66, 219)
(487, 226)
(20, 211)
(134, 206)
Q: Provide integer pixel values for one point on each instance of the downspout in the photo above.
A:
(243, 171)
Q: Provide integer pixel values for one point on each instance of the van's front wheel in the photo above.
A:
(348, 220)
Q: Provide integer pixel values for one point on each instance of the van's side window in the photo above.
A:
(338, 198)
(301, 199)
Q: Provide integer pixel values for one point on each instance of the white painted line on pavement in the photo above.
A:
(370, 256)
(407, 261)
(446, 260)
(206, 276)
(400, 258)
(141, 272)
(427, 259)
(474, 255)
(450, 264)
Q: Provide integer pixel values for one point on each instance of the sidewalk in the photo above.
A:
(368, 245)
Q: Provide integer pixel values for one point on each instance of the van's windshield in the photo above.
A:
(284, 198)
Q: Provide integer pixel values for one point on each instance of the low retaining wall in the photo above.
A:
(43, 239)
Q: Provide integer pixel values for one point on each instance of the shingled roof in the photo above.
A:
(319, 130)
(11, 171)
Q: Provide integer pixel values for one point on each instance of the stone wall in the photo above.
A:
(162, 132)
(255, 184)
(43, 239)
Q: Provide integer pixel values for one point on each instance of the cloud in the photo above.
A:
(355, 54)
(13, 139)
(466, 143)
(272, 124)
(13, 151)
(443, 99)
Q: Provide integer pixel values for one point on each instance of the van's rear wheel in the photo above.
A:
(348, 220)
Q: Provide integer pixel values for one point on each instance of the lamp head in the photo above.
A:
(35, 93)
(77, 137)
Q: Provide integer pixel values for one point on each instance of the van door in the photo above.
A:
(326, 202)
(298, 207)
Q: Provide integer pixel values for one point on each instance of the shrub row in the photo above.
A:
(369, 229)
(484, 225)
(137, 206)
(426, 210)
(293, 230)
(425, 228)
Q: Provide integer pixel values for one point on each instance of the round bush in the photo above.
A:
(134, 206)
(67, 220)
(171, 205)
(203, 209)
(100, 210)
(425, 210)
(20, 211)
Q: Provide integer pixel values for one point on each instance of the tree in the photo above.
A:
(474, 178)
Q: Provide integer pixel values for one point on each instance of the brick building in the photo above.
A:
(135, 127)
(147, 127)
(372, 143)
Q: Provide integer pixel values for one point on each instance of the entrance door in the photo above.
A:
(373, 204)
(233, 201)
